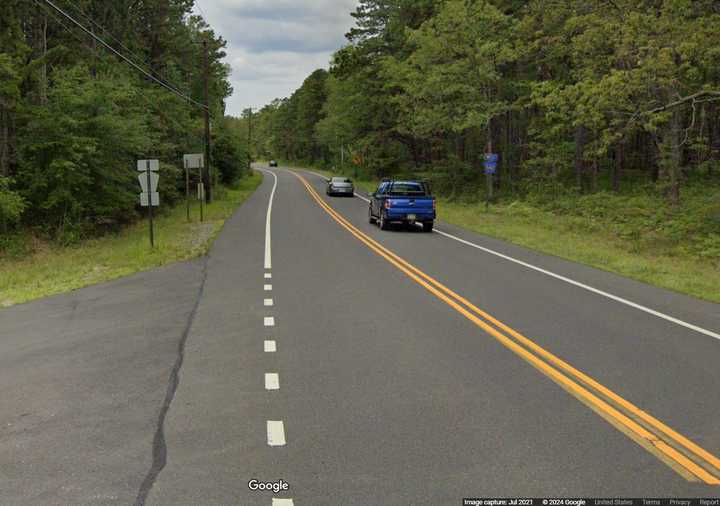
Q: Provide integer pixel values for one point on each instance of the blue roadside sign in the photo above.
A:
(491, 161)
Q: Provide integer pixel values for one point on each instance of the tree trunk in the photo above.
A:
(415, 151)
(506, 161)
(671, 156)
(580, 142)
(618, 164)
(42, 42)
(460, 146)
(654, 158)
(4, 142)
(595, 169)
(713, 137)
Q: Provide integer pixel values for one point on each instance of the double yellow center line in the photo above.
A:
(685, 457)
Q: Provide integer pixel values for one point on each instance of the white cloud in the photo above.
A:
(273, 45)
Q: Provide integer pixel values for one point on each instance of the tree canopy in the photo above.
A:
(577, 93)
(74, 117)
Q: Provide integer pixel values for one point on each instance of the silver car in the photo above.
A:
(340, 186)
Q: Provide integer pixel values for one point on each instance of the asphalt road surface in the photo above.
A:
(360, 367)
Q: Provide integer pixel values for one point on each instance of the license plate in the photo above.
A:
(411, 217)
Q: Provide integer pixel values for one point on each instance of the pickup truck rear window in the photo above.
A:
(406, 189)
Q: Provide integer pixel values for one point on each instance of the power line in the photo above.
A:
(60, 21)
(115, 39)
(106, 31)
(125, 58)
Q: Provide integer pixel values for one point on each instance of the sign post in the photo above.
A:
(149, 196)
(193, 161)
(187, 190)
(490, 164)
(201, 196)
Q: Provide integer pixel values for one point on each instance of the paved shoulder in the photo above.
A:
(83, 376)
(215, 428)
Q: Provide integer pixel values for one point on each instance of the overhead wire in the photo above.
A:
(59, 21)
(125, 58)
(119, 42)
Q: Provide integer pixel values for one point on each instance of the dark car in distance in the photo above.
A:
(272, 163)
(340, 186)
(406, 202)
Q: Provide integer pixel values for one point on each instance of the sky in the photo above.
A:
(273, 45)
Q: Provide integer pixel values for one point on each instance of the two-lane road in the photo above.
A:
(365, 367)
(386, 388)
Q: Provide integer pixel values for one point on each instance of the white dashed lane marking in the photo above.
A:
(268, 275)
(282, 502)
(270, 346)
(272, 381)
(268, 288)
(268, 302)
(269, 321)
(275, 433)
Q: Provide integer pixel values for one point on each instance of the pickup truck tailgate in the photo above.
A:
(411, 204)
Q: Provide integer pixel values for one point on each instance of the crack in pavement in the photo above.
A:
(159, 447)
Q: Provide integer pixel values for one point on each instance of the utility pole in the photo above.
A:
(207, 175)
(249, 139)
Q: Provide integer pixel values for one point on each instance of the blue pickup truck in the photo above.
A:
(402, 202)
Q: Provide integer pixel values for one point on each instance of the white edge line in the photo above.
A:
(572, 282)
(275, 433)
(586, 287)
(272, 381)
(268, 221)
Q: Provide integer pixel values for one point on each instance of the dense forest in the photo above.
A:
(74, 116)
(576, 96)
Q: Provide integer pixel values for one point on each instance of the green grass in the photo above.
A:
(567, 237)
(53, 269)
(595, 231)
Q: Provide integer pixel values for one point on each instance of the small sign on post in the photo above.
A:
(154, 197)
(490, 164)
(149, 197)
(192, 161)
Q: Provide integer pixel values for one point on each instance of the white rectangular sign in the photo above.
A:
(143, 165)
(154, 178)
(194, 161)
(155, 199)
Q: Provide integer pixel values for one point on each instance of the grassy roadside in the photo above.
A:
(586, 241)
(53, 269)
